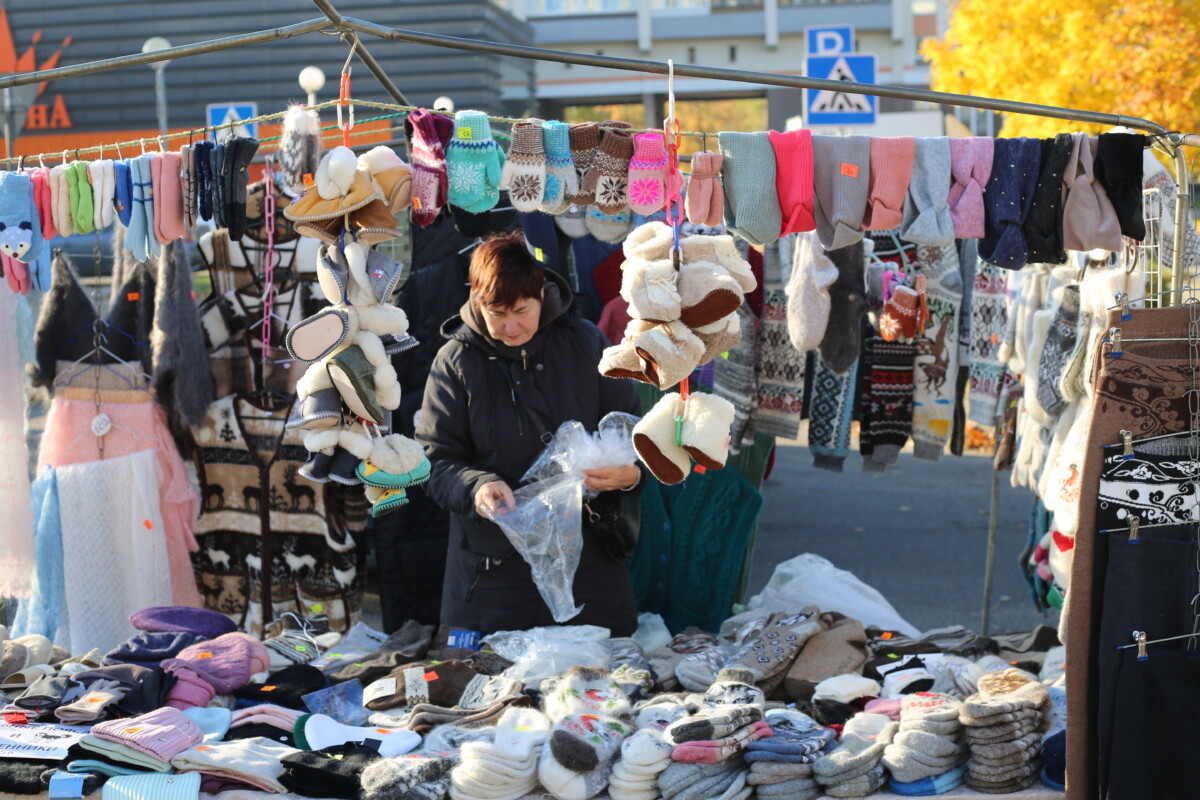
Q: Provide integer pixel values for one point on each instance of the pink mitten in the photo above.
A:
(705, 201)
(428, 135)
(648, 174)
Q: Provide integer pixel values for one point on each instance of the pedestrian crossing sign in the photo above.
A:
(829, 107)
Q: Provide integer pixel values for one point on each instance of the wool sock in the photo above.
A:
(562, 181)
(764, 771)
(585, 141)
(136, 236)
(926, 787)
(734, 686)
(1060, 343)
(608, 177)
(680, 776)
(711, 751)
(862, 785)
(847, 305)
(576, 761)
(863, 741)
(714, 723)
(414, 777)
(524, 173)
(748, 165)
(648, 174)
(830, 415)
(891, 396)
(937, 354)
(795, 789)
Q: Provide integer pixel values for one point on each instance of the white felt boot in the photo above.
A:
(654, 441)
(707, 293)
(707, 420)
(649, 289)
(671, 352)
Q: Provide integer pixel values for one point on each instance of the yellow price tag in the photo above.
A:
(464, 133)
(538, 254)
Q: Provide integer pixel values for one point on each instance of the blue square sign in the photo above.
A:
(829, 40)
(829, 107)
(232, 114)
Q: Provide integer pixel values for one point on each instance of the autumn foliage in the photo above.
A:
(1131, 57)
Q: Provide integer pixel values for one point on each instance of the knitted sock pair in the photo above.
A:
(711, 751)
(507, 766)
(857, 756)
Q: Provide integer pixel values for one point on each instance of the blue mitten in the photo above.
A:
(20, 227)
(473, 163)
(123, 191)
(39, 271)
(136, 238)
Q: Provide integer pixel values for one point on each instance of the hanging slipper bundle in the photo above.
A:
(678, 431)
(357, 196)
(683, 317)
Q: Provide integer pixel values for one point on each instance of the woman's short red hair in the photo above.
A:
(503, 273)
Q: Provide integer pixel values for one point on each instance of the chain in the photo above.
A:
(268, 294)
(1194, 447)
(97, 342)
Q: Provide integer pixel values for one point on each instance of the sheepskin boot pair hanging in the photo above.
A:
(677, 431)
(357, 196)
(682, 318)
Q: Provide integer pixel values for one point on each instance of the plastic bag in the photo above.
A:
(546, 523)
(809, 579)
(540, 653)
(342, 701)
(652, 632)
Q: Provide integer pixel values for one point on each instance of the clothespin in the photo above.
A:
(1114, 338)
(1123, 303)
(1127, 445)
(1134, 524)
(1140, 638)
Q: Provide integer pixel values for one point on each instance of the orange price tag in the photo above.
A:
(204, 655)
(307, 179)
(95, 699)
(416, 203)
(133, 296)
(268, 688)
(148, 524)
(431, 676)
(886, 635)
(132, 730)
(850, 170)
(384, 731)
(204, 747)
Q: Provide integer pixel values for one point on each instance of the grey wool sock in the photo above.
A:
(706, 787)
(847, 305)
(1008, 787)
(861, 786)
(948, 728)
(679, 776)
(776, 771)
(984, 773)
(789, 790)
(1011, 752)
(841, 167)
(713, 723)
(927, 217)
(863, 741)
(414, 777)
(931, 743)
(749, 165)
(907, 765)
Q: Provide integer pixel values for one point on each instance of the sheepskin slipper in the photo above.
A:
(385, 500)
(654, 441)
(396, 462)
(335, 173)
(354, 377)
(649, 289)
(723, 251)
(719, 338)
(649, 242)
(707, 420)
(318, 411)
(391, 174)
(707, 293)
(622, 361)
(670, 351)
(313, 339)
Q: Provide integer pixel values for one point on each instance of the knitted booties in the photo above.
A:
(720, 337)
(707, 293)
(670, 351)
(396, 462)
(707, 420)
(721, 250)
(705, 202)
(649, 288)
(622, 360)
(649, 242)
(654, 441)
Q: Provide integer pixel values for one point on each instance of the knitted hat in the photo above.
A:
(841, 179)
(332, 772)
(891, 172)
(20, 228)
(1016, 165)
(163, 733)
(158, 786)
(927, 217)
(226, 662)
(794, 179)
(749, 167)
(1089, 219)
(970, 168)
(1119, 170)
(286, 687)
(257, 762)
(1043, 224)
(318, 731)
(214, 722)
(199, 621)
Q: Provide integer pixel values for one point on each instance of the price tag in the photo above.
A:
(384, 687)
(464, 133)
(307, 179)
(204, 655)
(850, 170)
(268, 688)
(101, 424)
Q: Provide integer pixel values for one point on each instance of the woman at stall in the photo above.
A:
(516, 366)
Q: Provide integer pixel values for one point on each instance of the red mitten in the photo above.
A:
(705, 201)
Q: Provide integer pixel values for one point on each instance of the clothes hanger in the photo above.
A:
(99, 429)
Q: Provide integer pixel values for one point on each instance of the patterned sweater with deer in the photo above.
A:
(268, 541)
(935, 368)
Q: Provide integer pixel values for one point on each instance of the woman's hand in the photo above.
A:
(610, 479)
(491, 496)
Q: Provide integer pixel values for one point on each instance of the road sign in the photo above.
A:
(227, 113)
(828, 107)
(829, 40)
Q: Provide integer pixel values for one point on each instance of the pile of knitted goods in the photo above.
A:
(781, 766)
(854, 768)
(1004, 722)
(927, 753)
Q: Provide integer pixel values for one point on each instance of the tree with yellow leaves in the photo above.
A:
(1130, 58)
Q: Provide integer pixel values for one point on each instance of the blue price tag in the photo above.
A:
(66, 785)
(465, 639)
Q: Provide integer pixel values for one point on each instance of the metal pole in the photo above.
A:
(361, 49)
(747, 76)
(9, 126)
(160, 97)
(140, 59)
(985, 618)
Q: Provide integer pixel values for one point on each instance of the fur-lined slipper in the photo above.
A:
(319, 411)
(707, 420)
(391, 174)
(654, 441)
(723, 251)
(671, 352)
(649, 289)
(719, 338)
(396, 462)
(393, 344)
(333, 274)
(649, 242)
(354, 377)
(707, 293)
(373, 223)
(385, 500)
(341, 469)
(622, 361)
(372, 269)
(313, 339)
(318, 467)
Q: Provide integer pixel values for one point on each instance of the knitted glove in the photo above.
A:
(218, 178)
(60, 200)
(474, 163)
(168, 197)
(428, 135)
(648, 174)
(187, 176)
(705, 200)
(609, 176)
(204, 180)
(82, 212)
(585, 141)
(122, 199)
(101, 177)
(524, 173)
(141, 214)
(927, 217)
(561, 178)
(43, 200)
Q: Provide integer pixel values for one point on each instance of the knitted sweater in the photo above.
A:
(936, 363)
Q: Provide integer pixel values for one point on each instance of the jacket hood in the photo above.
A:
(468, 325)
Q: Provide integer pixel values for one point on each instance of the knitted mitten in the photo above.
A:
(748, 166)
(841, 177)
(524, 173)
(705, 200)
(608, 178)
(648, 174)
(900, 314)
(101, 176)
(561, 179)
(44, 202)
(299, 147)
(143, 198)
(474, 163)
(239, 153)
(585, 141)
(82, 213)
(428, 135)
(168, 197)
(808, 293)
(60, 200)
(840, 345)
(187, 175)
(927, 217)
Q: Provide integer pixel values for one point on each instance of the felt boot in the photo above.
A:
(719, 338)
(706, 422)
(654, 441)
(671, 352)
(649, 288)
(707, 293)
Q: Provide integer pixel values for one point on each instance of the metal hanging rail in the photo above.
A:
(334, 20)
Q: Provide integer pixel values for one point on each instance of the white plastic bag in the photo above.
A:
(652, 632)
(546, 523)
(540, 653)
(810, 579)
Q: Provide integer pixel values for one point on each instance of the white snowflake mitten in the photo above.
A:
(524, 174)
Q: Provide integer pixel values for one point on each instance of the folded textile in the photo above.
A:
(123, 754)
(152, 787)
(332, 772)
(927, 787)
(257, 762)
(285, 687)
(161, 734)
